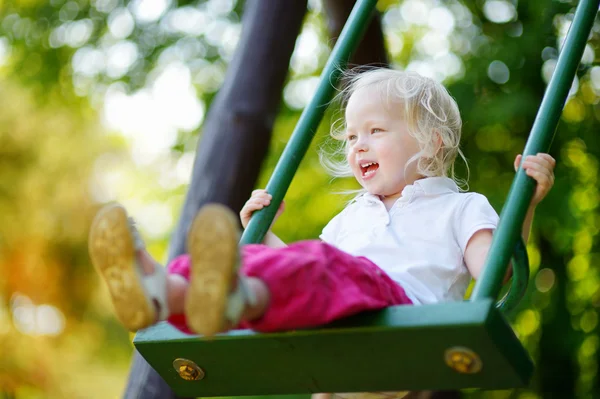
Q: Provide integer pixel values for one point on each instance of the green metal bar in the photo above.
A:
(520, 279)
(309, 120)
(540, 139)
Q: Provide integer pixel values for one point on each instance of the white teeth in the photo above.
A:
(366, 165)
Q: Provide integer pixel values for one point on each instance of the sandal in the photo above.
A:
(216, 296)
(139, 299)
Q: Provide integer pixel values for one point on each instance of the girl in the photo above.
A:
(410, 237)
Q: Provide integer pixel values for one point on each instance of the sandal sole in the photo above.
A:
(213, 248)
(113, 254)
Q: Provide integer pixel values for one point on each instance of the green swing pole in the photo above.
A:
(540, 139)
(353, 30)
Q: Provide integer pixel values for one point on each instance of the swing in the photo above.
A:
(442, 346)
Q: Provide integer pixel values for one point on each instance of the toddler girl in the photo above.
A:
(410, 237)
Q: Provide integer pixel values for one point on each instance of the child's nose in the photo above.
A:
(362, 144)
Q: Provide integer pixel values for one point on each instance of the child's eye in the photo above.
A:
(376, 130)
(351, 137)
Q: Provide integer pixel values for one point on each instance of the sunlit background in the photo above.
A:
(103, 101)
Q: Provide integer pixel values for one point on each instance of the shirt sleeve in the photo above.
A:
(475, 214)
(331, 230)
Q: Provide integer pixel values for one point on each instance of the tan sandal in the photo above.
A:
(139, 299)
(216, 296)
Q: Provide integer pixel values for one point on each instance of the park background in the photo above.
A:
(104, 100)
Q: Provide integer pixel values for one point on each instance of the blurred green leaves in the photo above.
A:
(61, 60)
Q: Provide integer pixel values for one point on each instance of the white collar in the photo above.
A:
(426, 186)
(437, 185)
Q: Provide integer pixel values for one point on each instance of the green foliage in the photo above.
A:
(49, 143)
(46, 285)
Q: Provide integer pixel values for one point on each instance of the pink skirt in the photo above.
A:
(311, 284)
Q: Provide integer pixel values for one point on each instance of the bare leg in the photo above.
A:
(262, 295)
(321, 396)
(215, 301)
(177, 287)
(252, 312)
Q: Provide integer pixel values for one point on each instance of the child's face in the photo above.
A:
(379, 144)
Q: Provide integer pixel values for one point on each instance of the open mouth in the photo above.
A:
(368, 168)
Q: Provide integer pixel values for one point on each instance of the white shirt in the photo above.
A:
(420, 243)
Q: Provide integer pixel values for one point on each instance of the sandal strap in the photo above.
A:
(155, 285)
(138, 242)
(237, 301)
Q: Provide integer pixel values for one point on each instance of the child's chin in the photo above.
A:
(372, 190)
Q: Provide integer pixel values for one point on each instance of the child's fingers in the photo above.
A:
(542, 179)
(259, 194)
(539, 166)
(261, 197)
(548, 158)
(249, 208)
(518, 161)
(545, 160)
(258, 203)
(252, 206)
(539, 160)
(260, 200)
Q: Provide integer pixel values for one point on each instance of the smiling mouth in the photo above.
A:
(368, 169)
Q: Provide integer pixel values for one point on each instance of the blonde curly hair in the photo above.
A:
(430, 112)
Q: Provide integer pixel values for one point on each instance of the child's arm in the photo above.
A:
(271, 240)
(541, 168)
(258, 200)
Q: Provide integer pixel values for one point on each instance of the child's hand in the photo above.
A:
(258, 200)
(541, 168)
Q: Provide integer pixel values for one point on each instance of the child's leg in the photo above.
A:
(217, 298)
(180, 269)
(304, 285)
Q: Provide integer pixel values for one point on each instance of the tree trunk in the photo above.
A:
(238, 128)
(371, 50)
(235, 136)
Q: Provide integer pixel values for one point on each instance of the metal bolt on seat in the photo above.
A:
(463, 360)
(188, 370)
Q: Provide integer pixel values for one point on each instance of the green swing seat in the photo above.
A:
(442, 346)
(399, 348)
